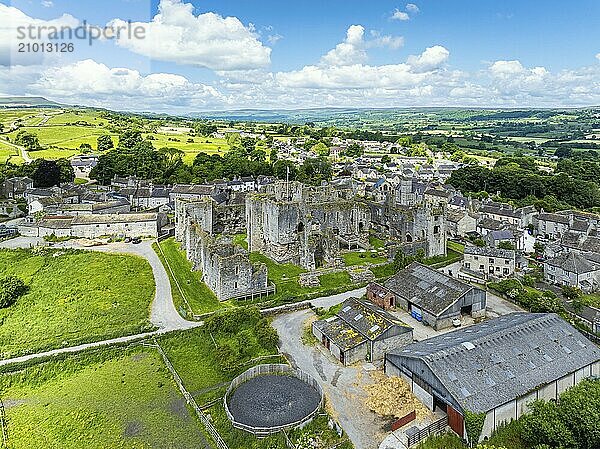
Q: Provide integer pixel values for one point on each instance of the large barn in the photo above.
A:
(496, 367)
(429, 295)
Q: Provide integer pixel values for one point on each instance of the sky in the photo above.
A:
(200, 55)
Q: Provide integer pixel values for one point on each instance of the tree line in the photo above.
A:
(519, 178)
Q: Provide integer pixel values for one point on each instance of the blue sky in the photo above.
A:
(278, 54)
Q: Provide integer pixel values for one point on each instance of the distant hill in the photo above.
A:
(28, 102)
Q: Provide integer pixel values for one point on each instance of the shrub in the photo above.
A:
(11, 289)
(474, 425)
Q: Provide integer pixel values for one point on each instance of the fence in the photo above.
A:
(432, 429)
(191, 401)
(3, 423)
(271, 369)
(404, 420)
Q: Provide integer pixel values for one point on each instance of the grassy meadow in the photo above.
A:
(108, 399)
(74, 297)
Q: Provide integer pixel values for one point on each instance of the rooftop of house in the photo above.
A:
(488, 251)
(114, 218)
(573, 263)
(427, 287)
(489, 364)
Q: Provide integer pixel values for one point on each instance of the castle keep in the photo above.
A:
(305, 225)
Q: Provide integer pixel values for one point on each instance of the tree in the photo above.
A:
(545, 426)
(105, 143)
(355, 150)
(130, 138)
(11, 289)
(45, 173)
(506, 245)
(85, 148)
(571, 293)
(28, 140)
(314, 171)
(579, 409)
(281, 167)
(386, 159)
(320, 149)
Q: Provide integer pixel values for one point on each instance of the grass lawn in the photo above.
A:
(52, 153)
(592, 300)
(64, 136)
(376, 242)
(240, 239)
(74, 297)
(358, 258)
(110, 399)
(455, 246)
(199, 297)
(441, 261)
(285, 278)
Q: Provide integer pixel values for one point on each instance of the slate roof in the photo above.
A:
(367, 318)
(193, 189)
(490, 223)
(556, 218)
(357, 321)
(503, 210)
(113, 218)
(427, 288)
(573, 263)
(489, 364)
(487, 251)
(340, 333)
(503, 234)
(591, 244)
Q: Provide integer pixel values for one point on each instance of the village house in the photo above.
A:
(490, 262)
(575, 270)
(14, 188)
(460, 222)
(96, 225)
(361, 331)
(429, 296)
(498, 367)
(551, 226)
(83, 165)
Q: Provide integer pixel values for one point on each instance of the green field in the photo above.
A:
(9, 153)
(64, 136)
(191, 149)
(357, 258)
(198, 295)
(111, 399)
(74, 297)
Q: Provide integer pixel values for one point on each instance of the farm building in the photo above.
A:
(496, 367)
(361, 331)
(429, 295)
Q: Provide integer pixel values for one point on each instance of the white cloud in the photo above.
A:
(400, 15)
(411, 7)
(274, 38)
(94, 83)
(598, 56)
(431, 59)
(351, 51)
(506, 68)
(47, 3)
(393, 42)
(14, 30)
(208, 40)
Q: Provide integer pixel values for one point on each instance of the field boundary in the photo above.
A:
(191, 401)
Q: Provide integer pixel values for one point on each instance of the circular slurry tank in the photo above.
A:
(261, 403)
